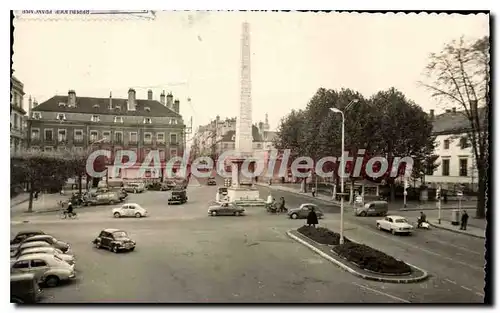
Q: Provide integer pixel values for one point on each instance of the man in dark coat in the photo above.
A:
(465, 218)
(312, 218)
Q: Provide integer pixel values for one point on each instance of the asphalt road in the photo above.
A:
(183, 255)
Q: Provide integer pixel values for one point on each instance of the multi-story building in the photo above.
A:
(457, 165)
(17, 116)
(89, 123)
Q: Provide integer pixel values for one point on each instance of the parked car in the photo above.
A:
(21, 236)
(131, 210)
(395, 224)
(70, 259)
(211, 181)
(49, 269)
(378, 208)
(217, 209)
(303, 211)
(115, 240)
(135, 187)
(178, 197)
(103, 198)
(157, 186)
(170, 184)
(24, 288)
(29, 245)
(222, 191)
(61, 245)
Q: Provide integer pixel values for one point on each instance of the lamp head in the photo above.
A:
(335, 110)
(355, 100)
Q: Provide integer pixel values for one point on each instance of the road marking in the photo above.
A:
(451, 281)
(466, 288)
(428, 251)
(382, 293)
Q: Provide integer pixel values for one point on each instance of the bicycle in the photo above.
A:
(65, 215)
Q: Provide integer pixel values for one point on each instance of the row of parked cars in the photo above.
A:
(38, 259)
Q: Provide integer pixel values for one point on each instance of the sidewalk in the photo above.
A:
(45, 203)
(472, 230)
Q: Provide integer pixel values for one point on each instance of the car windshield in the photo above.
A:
(400, 220)
(120, 234)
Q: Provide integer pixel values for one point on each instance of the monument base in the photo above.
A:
(245, 196)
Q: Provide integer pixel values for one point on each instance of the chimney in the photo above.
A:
(169, 101)
(454, 110)
(150, 94)
(162, 97)
(176, 105)
(71, 98)
(110, 101)
(35, 103)
(432, 114)
(30, 106)
(448, 111)
(131, 100)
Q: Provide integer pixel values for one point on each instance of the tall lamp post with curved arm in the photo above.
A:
(342, 164)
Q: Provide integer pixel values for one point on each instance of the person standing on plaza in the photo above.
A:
(312, 218)
(313, 191)
(465, 219)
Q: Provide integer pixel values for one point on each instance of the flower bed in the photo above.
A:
(321, 235)
(371, 259)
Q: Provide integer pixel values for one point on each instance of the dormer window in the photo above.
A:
(62, 104)
(233, 138)
(95, 118)
(37, 115)
(173, 121)
(118, 119)
(117, 108)
(148, 109)
(96, 106)
(61, 116)
(147, 120)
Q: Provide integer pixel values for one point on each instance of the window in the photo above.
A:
(35, 134)
(118, 137)
(48, 149)
(429, 169)
(62, 104)
(173, 138)
(464, 143)
(173, 121)
(118, 119)
(147, 120)
(61, 135)
(94, 136)
(49, 136)
(38, 263)
(95, 118)
(446, 167)
(160, 137)
(148, 137)
(463, 167)
(259, 146)
(173, 152)
(106, 136)
(233, 137)
(133, 137)
(446, 144)
(78, 149)
(61, 116)
(78, 135)
(16, 119)
(21, 264)
(37, 115)
(161, 152)
(148, 109)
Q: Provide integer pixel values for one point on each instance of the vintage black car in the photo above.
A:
(157, 186)
(211, 181)
(24, 288)
(21, 236)
(178, 196)
(115, 240)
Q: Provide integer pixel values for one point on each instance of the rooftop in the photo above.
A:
(453, 122)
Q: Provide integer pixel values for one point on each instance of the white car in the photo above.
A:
(70, 259)
(130, 209)
(395, 224)
(48, 269)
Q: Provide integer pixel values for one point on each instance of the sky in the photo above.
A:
(197, 55)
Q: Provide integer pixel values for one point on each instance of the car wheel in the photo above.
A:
(393, 231)
(117, 215)
(237, 213)
(51, 281)
(294, 216)
(214, 213)
(114, 249)
(111, 202)
(379, 227)
(138, 215)
(363, 214)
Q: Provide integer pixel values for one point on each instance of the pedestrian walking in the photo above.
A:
(36, 195)
(313, 191)
(312, 218)
(465, 218)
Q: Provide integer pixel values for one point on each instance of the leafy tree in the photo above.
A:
(289, 133)
(460, 74)
(76, 163)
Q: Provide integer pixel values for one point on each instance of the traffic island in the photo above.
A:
(357, 259)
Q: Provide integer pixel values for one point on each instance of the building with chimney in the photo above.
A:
(17, 115)
(457, 165)
(114, 123)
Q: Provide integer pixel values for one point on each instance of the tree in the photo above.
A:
(460, 74)
(289, 134)
(76, 163)
(403, 130)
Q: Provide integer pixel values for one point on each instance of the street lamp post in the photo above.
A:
(335, 110)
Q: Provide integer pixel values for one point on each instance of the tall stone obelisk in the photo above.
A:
(242, 190)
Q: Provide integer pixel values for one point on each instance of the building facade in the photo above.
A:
(87, 124)
(457, 165)
(17, 116)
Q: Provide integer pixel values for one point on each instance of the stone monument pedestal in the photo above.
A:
(242, 191)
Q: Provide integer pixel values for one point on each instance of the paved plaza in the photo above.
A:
(183, 255)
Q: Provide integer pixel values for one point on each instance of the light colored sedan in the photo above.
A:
(29, 245)
(395, 224)
(70, 259)
(49, 269)
(130, 210)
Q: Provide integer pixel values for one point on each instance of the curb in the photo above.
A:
(456, 231)
(356, 273)
(434, 209)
